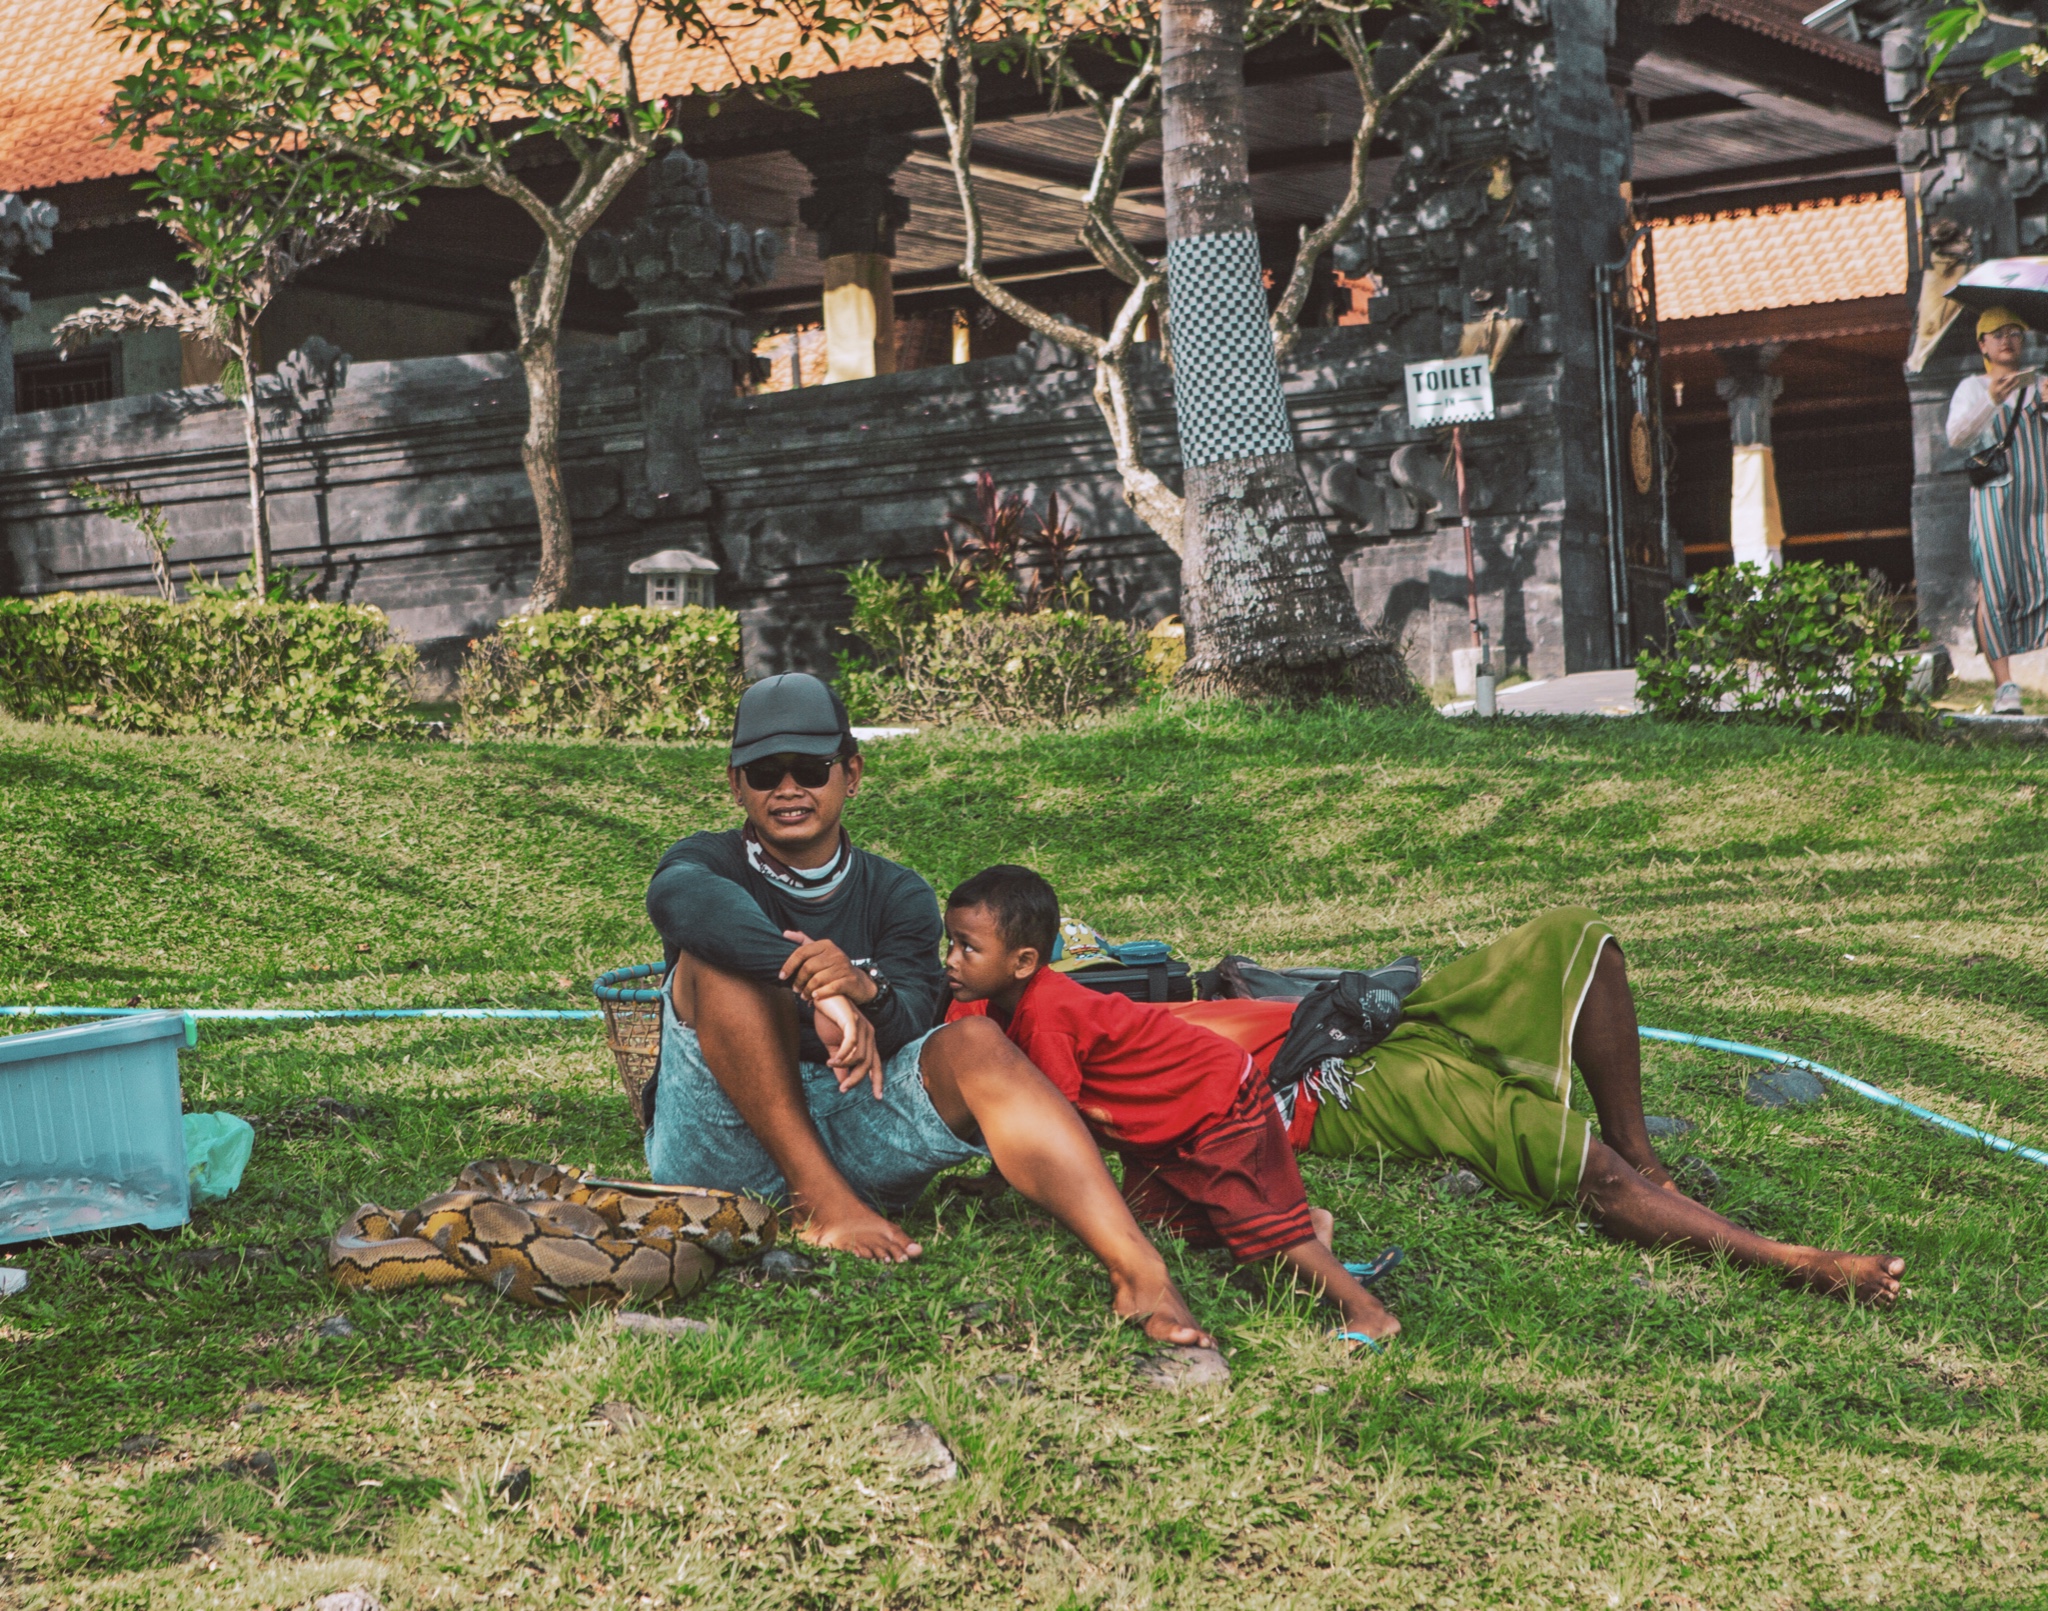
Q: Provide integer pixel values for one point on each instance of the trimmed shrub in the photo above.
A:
(1821, 645)
(1001, 630)
(620, 672)
(932, 656)
(218, 663)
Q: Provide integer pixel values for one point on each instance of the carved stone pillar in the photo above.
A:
(1508, 193)
(682, 263)
(855, 215)
(25, 228)
(1974, 160)
(1755, 526)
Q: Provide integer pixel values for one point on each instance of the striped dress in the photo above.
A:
(2008, 518)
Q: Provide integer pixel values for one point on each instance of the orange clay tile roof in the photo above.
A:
(60, 69)
(1781, 257)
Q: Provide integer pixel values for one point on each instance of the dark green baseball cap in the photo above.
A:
(792, 713)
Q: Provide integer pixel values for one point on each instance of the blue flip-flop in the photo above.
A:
(1373, 1269)
(1373, 1344)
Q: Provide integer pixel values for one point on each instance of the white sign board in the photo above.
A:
(1450, 391)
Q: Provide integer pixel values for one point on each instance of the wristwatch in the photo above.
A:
(884, 989)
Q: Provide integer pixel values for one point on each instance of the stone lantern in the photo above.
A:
(676, 577)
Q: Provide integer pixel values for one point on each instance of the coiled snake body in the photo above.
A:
(551, 1237)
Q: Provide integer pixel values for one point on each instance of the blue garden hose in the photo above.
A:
(1882, 1098)
(612, 986)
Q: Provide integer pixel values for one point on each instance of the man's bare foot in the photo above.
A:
(1160, 1308)
(855, 1228)
(1325, 1224)
(1368, 1315)
(1871, 1278)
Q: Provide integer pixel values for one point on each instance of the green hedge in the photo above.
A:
(624, 672)
(214, 664)
(1821, 645)
(959, 645)
(1054, 666)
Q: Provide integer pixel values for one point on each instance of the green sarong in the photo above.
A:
(1480, 1067)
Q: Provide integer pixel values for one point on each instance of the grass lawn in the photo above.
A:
(1567, 1422)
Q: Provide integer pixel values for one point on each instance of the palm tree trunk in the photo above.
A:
(252, 436)
(1267, 614)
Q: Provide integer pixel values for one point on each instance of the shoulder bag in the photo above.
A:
(1993, 463)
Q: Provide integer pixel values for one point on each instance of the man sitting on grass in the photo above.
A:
(1204, 1152)
(799, 1059)
(1479, 1069)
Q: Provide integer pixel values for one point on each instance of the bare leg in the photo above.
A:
(1327, 1275)
(2001, 670)
(1609, 1053)
(980, 1082)
(1631, 1209)
(749, 1036)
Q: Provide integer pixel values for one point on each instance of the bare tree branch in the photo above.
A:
(1126, 119)
(1344, 32)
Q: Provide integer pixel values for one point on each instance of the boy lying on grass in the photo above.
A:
(1204, 1151)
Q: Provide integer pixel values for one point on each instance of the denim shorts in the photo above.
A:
(888, 1150)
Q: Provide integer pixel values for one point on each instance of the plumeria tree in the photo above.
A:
(247, 227)
(538, 101)
(1267, 611)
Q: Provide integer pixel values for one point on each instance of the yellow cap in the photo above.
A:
(1997, 319)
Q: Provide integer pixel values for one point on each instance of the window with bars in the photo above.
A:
(45, 380)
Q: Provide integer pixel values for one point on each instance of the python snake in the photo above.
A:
(552, 1237)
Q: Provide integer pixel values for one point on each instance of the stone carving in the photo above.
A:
(26, 228)
(682, 263)
(1749, 389)
(308, 378)
(853, 209)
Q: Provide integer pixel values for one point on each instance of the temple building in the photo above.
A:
(1689, 232)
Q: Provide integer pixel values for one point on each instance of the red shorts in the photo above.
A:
(1231, 1183)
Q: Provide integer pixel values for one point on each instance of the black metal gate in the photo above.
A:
(1643, 562)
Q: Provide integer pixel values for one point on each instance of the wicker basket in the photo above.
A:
(632, 1028)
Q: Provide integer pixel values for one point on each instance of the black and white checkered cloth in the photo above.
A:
(1226, 382)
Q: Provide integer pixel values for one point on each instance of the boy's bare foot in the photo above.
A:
(1325, 1224)
(1160, 1308)
(853, 1227)
(1368, 1315)
(1871, 1278)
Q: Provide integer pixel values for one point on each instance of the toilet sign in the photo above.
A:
(1450, 391)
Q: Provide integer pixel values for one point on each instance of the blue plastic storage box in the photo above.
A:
(91, 1127)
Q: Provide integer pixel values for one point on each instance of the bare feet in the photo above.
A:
(853, 1227)
(1325, 1224)
(1871, 1278)
(1367, 1314)
(1159, 1306)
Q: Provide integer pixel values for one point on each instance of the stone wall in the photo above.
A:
(409, 493)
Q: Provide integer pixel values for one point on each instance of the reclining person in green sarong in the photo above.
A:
(1479, 1069)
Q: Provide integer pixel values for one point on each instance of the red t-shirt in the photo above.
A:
(1140, 1076)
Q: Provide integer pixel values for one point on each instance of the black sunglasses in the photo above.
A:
(810, 771)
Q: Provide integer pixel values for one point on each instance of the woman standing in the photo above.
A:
(2009, 512)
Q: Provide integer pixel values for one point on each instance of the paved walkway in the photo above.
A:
(1589, 693)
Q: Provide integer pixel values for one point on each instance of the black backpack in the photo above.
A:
(1340, 1012)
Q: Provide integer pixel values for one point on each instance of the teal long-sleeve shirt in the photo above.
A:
(707, 900)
